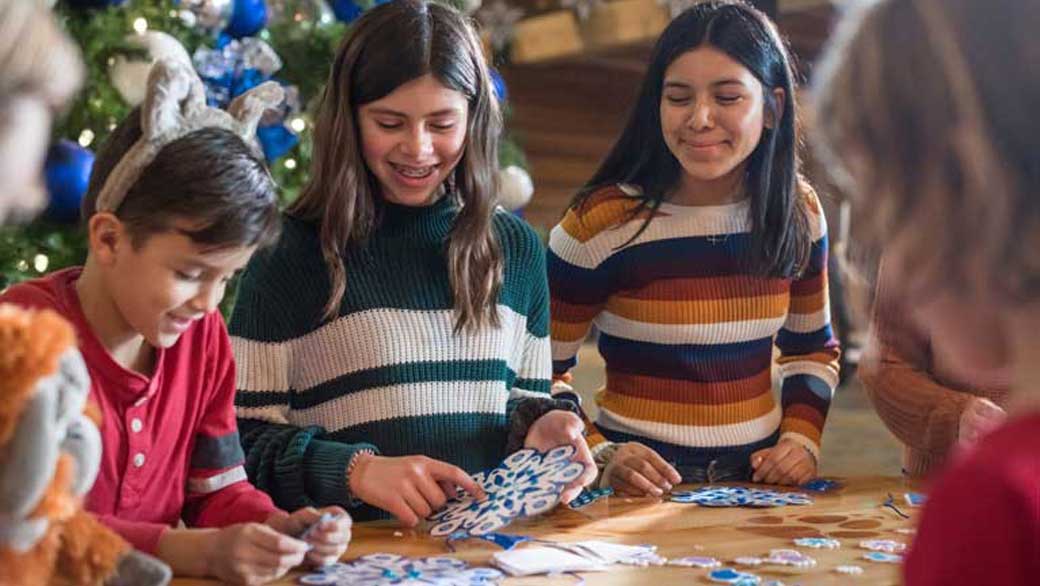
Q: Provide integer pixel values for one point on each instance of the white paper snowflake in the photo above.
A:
(387, 569)
(524, 484)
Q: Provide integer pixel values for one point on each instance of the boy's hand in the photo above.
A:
(637, 470)
(252, 554)
(409, 487)
(328, 539)
(788, 462)
(558, 428)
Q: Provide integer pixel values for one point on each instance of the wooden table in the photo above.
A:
(849, 514)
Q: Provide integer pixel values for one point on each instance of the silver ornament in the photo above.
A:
(211, 14)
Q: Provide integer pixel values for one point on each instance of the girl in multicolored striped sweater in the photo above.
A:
(694, 250)
(397, 337)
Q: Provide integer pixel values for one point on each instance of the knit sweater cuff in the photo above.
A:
(326, 464)
(528, 411)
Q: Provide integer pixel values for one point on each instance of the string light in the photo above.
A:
(23, 266)
(290, 164)
(86, 137)
(140, 25)
(298, 124)
(41, 262)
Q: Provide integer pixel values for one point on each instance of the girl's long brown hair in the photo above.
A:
(389, 46)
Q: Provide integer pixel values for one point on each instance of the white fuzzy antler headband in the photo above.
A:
(174, 107)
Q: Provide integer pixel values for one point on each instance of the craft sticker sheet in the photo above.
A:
(526, 483)
(387, 569)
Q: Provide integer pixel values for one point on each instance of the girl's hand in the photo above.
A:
(980, 416)
(328, 540)
(252, 554)
(409, 487)
(788, 462)
(558, 428)
(636, 470)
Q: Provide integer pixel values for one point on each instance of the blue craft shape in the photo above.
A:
(526, 483)
(384, 569)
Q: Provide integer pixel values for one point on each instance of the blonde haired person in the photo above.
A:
(942, 163)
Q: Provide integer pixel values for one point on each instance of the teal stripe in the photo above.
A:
(398, 374)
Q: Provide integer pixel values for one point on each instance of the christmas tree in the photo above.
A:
(234, 45)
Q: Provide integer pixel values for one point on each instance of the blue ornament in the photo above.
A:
(248, 17)
(346, 10)
(276, 140)
(499, 84)
(67, 173)
(349, 10)
(85, 4)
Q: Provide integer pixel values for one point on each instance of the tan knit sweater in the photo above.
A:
(915, 388)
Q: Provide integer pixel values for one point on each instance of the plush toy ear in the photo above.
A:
(30, 457)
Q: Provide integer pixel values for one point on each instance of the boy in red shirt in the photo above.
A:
(178, 202)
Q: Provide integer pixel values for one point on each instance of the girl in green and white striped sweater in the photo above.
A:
(397, 337)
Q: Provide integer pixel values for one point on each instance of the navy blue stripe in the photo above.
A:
(577, 285)
(677, 258)
(804, 343)
(691, 362)
(217, 452)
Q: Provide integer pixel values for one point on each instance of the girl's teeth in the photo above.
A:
(410, 172)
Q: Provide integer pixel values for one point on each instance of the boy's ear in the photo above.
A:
(106, 236)
(772, 114)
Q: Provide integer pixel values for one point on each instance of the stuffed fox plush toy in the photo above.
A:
(50, 449)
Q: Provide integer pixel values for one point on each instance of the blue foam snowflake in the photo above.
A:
(386, 569)
(526, 483)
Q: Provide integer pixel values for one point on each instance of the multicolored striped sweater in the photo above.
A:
(687, 335)
(388, 374)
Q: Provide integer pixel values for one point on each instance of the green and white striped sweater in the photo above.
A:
(388, 374)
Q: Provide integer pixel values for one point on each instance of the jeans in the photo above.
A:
(729, 468)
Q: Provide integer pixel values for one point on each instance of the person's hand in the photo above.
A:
(788, 462)
(252, 554)
(980, 416)
(558, 428)
(636, 470)
(328, 540)
(409, 487)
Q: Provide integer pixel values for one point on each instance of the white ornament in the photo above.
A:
(470, 6)
(516, 189)
(849, 570)
(583, 8)
(499, 19)
(130, 77)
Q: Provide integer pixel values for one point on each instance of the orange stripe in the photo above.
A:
(689, 392)
(562, 331)
(699, 312)
(681, 414)
(729, 287)
(601, 216)
(807, 304)
(828, 358)
(798, 425)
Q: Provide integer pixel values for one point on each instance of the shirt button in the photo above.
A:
(138, 459)
(136, 425)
